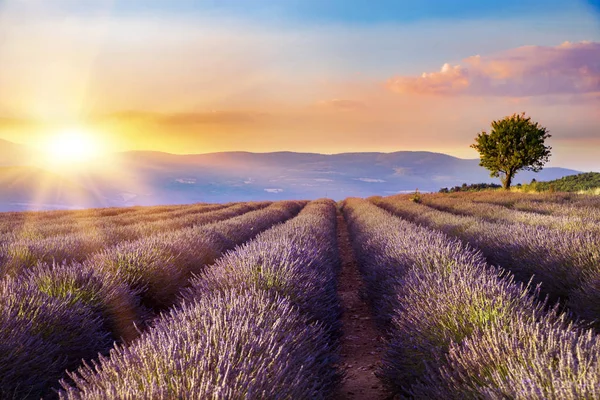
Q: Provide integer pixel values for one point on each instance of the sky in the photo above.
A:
(301, 75)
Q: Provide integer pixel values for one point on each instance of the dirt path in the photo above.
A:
(361, 342)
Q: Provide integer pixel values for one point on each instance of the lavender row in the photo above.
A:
(50, 216)
(298, 259)
(50, 319)
(55, 315)
(558, 209)
(261, 323)
(496, 213)
(160, 265)
(22, 251)
(566, 263)
(40, 229)
(151, 214)
(14, 229)
(582, 200)
(18, 220)
(20, 254)
(459, 328)
(559, 204)
(95, 213)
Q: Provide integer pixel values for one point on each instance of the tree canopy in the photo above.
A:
(514, 143)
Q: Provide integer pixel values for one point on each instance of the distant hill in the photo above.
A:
(147, 178)
(284, 175)
(569, 183)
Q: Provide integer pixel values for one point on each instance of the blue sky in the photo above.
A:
(356, 11)
(334, 11)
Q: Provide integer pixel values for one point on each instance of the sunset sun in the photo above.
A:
(73, 146)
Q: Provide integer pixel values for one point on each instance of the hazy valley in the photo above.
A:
(151, 178)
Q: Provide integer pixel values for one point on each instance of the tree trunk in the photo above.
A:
(507, 180)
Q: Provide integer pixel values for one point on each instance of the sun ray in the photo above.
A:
(72, 146)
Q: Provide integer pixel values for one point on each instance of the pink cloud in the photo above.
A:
(570, 68)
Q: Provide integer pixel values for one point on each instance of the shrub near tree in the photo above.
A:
(514, 143)
(474, 187)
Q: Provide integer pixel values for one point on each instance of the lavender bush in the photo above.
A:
(21, 253)
(298, 259)
(159, 266)
(41, 336)
(559, 204)
(496, 213)
(252, 326)
(25, 253)
(104, 292)
(530, 357)
(434, 295)
(100, 295)
(189, 219)
(248, 344)
(564, 262)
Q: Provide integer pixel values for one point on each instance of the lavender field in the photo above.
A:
(474, 296)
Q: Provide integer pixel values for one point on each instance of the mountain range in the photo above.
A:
(149, 178)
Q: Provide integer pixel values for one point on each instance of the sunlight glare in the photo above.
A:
(73, 146)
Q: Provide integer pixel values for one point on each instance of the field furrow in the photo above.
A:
(361, 342)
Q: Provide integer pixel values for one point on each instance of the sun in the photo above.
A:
(73, 146)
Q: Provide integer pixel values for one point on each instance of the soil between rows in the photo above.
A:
(361, 342)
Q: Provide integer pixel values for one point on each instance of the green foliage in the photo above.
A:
(474, 187)
(571, 183)
(514, 143)
(416, 196)
(69, 290)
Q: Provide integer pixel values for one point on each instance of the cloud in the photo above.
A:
(186, 181)
(450, 79)
(569, 68)
(343, 104)
(402, 171)
(274, 190)
(370, 180)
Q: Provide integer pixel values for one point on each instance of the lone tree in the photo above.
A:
(514, 143)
